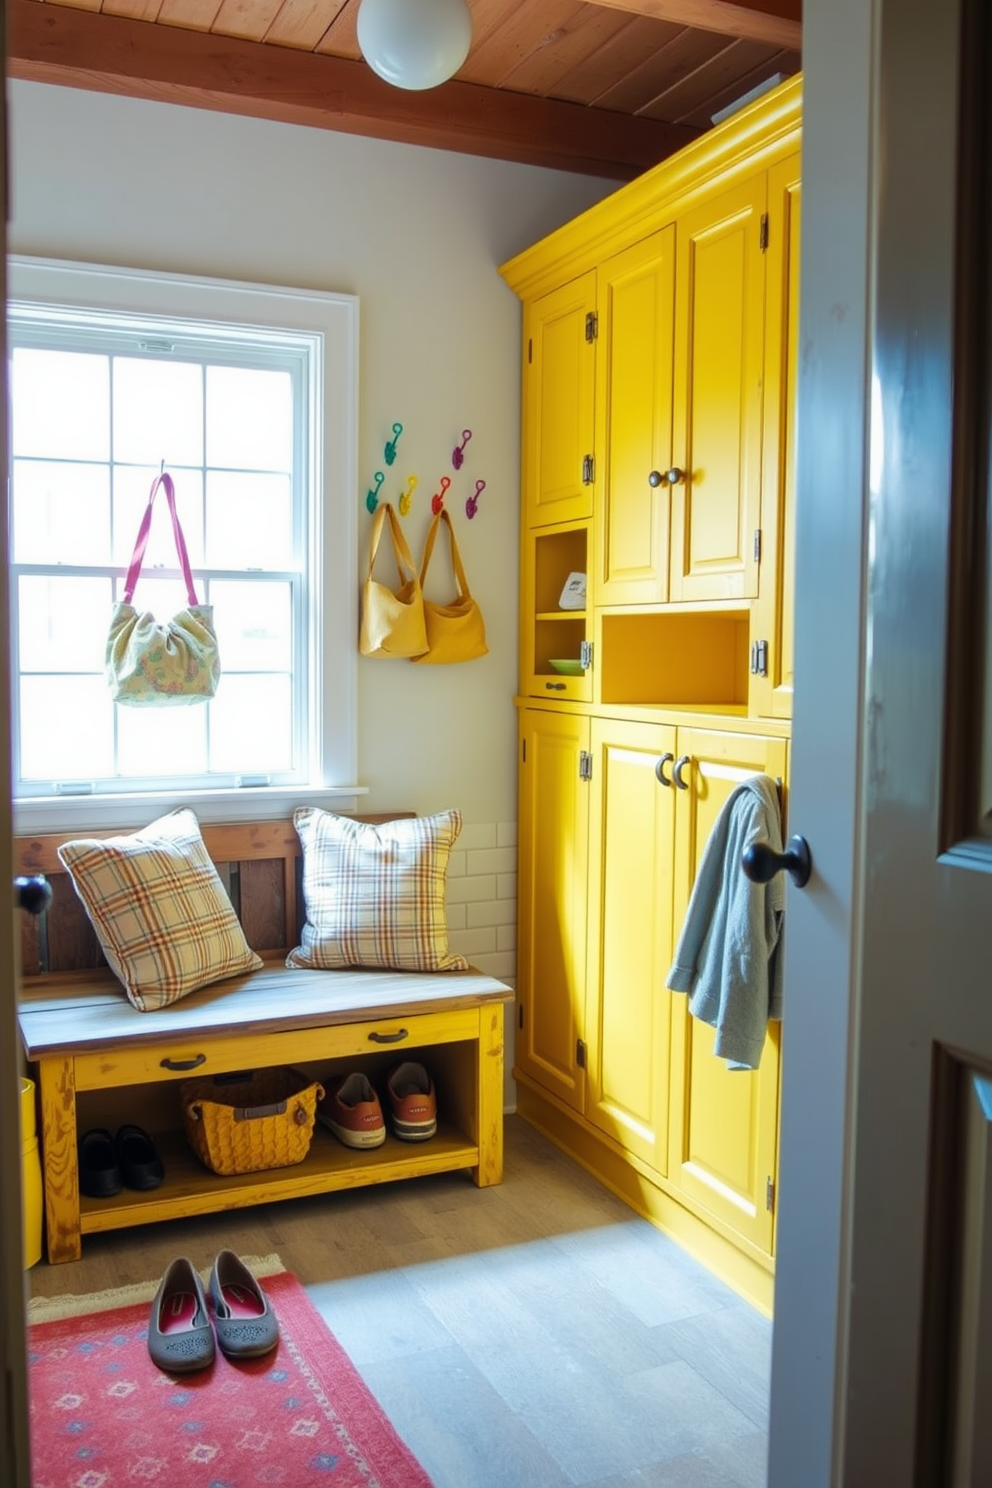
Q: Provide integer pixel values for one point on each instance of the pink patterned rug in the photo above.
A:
(102, 1414)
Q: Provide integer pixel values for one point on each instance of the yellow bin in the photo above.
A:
(31, 1198)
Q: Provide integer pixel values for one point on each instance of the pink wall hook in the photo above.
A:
(437, 500)
(472, 504)
(458, 453)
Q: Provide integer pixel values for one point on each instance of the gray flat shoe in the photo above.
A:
(246, 1325)
(180, 1338)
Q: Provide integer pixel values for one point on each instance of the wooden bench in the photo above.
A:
(100, 1062)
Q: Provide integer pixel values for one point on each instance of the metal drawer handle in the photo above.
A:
(556, 686)
(659, 770)
(677, 769)
(389, 1038)
(183, 1064)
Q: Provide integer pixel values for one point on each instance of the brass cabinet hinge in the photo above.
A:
(763, 235)
(530, 349)
(585, 655)
(580, 1054)
(520, 1015)
(770, 1193)
(588, 470)
(592, 326)
(585, 765)
(757, 544)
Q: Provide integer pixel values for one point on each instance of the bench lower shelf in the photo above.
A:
(462, 1046)
(189, 1188)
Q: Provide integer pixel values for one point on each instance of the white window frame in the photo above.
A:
(332, 321)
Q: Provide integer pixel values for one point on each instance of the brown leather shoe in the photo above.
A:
(350, 1108)
(413, 1104)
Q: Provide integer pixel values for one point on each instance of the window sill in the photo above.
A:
(42, 814)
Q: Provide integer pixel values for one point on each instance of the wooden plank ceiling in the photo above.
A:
(609, 88)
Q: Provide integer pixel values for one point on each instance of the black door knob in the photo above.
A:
(32, 894)
(761, 863)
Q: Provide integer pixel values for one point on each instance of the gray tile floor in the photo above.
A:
(532, 1335)
(595, 1353)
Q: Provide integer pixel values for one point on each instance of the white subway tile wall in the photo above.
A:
(482, 897)
(482, 915)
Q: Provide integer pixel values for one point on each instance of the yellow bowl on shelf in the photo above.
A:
(568, 666)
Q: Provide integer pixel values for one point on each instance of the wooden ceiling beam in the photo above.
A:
(111, 54)
(778, 23)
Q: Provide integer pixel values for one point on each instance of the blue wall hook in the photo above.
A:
(389, 450)
(372, 496)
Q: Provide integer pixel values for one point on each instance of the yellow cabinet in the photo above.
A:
(772, 617)
(660, 353)
(552, 833)
(635, 327)
(723, 1127)
(554, 639)
(719, 341)
(631, 860)
(559, 386)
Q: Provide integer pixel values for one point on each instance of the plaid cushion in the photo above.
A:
(159, 909)
(375, 895)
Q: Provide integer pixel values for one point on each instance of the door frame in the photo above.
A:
(880, 155)
(15, 1457)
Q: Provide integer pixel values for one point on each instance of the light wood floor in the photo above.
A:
(533, 1335)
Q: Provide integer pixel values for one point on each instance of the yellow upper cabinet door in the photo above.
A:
(719, 329)
(772, 617)
(724, 1123)
(551, 889)
(636, 298)
(559, 384)
(631, 846)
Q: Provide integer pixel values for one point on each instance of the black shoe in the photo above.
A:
(139, 1161)
(99, 1168)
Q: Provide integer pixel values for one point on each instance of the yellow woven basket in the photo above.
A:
(250, 1121)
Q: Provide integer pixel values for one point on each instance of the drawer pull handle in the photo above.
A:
(556, 686)
(390, 1038)
(183, 1064)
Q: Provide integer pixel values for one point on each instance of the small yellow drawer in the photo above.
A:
(195, 1056)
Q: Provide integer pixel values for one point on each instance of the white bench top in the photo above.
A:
(81, 1017)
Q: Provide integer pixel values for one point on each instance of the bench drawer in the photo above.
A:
(196, 1056)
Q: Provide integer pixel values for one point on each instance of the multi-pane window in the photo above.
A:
(100, 402)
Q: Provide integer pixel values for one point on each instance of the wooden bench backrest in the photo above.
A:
(260, 864)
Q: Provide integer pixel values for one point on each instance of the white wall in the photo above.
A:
(417, 235)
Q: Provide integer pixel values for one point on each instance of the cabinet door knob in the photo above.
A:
(677, 769)
(675, 476)
(659, 770)
(761, 862)
(655, 478)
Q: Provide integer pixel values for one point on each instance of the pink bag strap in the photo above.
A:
(165, 481)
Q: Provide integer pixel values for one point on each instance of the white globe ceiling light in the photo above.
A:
(414, 43)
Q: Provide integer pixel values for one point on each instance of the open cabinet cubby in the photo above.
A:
(556, 634)
(675, 660)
